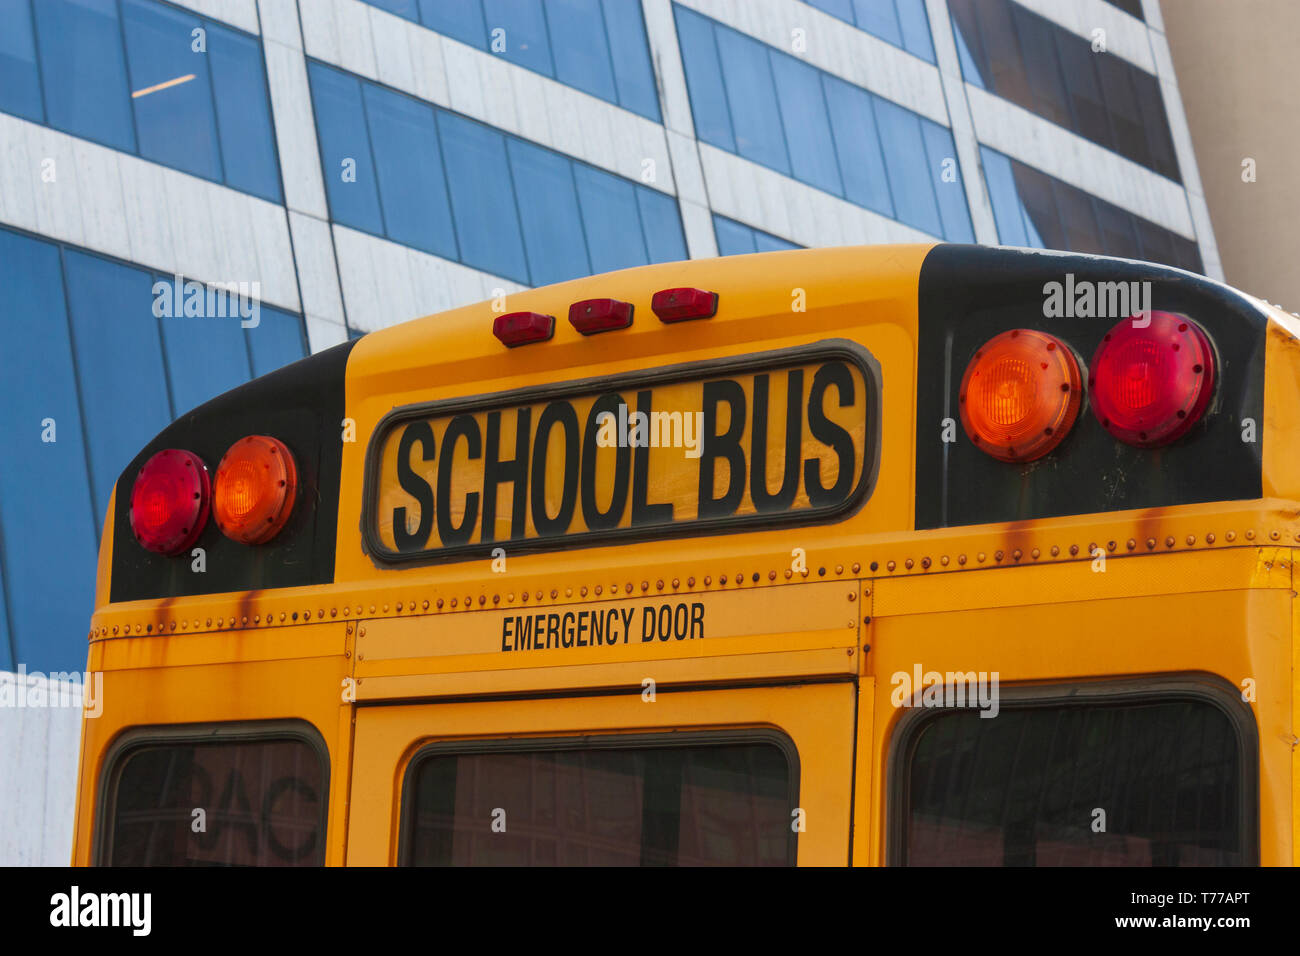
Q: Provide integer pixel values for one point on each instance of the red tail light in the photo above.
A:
(1020, 394)
(600, 315)
(257, 483)
(170, 501)
(1151, 383)
(677, 305)
(520, 328)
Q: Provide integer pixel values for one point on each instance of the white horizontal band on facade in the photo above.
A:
(385, 283)
(760, 197)
(141, 212)
(1036, 142)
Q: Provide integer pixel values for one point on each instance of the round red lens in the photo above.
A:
(170, 500)
(1152, 380)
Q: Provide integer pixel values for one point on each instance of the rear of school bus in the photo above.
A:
(821, 625)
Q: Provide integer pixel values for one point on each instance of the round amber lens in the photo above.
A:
(255, 488)
(1020, 394)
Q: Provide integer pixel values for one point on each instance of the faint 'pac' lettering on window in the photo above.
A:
(349, 171)
(199, 40)
(948, 171)
(48, 431)
(498, 40)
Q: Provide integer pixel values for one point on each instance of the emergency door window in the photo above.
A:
(615, 805)
(1138, 783)
(227, 803)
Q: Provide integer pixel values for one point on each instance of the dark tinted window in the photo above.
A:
(263, 804)
(1025, 788)
(1133, 7)
(650, 805)
(1027, 59)
(1036, 210)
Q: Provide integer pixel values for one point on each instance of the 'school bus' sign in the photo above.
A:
(778, 437)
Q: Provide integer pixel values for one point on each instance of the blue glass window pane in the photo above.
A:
(733, 238)
(766, 242)
(951, 196)
(206, 354)
(482, 201)
(611, 219)
(629, 50)
(344, 148)
(916, 28)
(45, 511)
(751, 98)
(170, 90)
(113, 327)
(661, 221)
(858, 145)
(243, 113)
(905, 160)
(1002, 194)
(878, 18)
(461, 20)
(548, 210)
(843, 9)
(6, 658)
(276, 341)
(85, 78)
(807, 126)
(524, 24)
(408, 164)
(577, 30)
(20, 81)
(704, 80)
(407, 9)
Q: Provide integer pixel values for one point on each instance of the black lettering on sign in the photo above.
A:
(781, 438)
(658, 622)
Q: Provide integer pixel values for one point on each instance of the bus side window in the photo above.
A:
(243, 801)
(1159, 781)
(613, 801)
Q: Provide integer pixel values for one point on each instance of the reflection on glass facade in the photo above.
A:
(431, 179)
(145, 78)
(597, 46)
(771, 108)
(900, 22)
(1054, 73)
(84, 349)
(1035, 210)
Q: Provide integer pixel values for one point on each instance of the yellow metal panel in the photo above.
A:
(865, 787)
(818, 718)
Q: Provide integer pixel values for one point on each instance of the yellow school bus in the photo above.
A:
(899, 555)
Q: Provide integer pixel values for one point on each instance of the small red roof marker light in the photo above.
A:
(600, 315)
(520, 328)
(677, 305)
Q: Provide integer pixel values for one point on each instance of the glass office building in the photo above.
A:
(352, 165)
